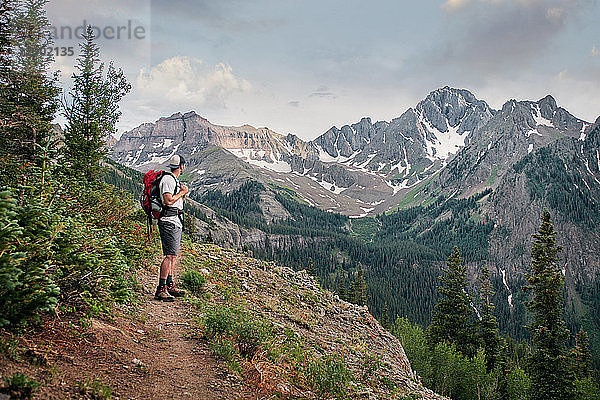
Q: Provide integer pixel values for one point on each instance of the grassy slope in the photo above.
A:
(269, 321)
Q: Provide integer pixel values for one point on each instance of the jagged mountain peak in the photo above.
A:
(187, 115)
(547, 103)
(363, 121)
(389, 158)
(538, 117)
(519, 128)
(447, 108)
(437, 123)
(172, 116)
(592, 140)
(448, 94)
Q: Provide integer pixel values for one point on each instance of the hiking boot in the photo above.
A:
(174, 291)
(162, 294)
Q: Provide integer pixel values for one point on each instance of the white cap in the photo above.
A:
(176, 161)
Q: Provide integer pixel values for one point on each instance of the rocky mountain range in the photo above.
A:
(332, 171)
(450, 144)
(363, 168)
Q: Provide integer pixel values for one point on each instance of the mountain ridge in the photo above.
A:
(332, 170)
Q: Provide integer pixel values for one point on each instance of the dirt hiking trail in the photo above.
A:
(156, 354)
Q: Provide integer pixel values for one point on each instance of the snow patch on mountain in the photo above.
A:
(366, 162)
(582, 133)
(325, 157)
(258, 159)
(510, 296)
(365, 210)
(328, 185)
(156, 158)
(445, 143)
(537, 117)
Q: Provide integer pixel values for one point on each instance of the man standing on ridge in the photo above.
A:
(170, 227)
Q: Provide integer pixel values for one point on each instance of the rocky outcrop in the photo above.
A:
(297, 307)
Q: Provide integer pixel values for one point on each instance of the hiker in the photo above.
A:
(170, 226)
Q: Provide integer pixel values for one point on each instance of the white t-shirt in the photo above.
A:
(170, 184)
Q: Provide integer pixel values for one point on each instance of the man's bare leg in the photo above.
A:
(171, 265)
(165, 267)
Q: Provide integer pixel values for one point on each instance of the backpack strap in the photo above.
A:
(170, 211)
(177, 182)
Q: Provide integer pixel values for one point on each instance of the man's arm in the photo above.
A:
(170, 199)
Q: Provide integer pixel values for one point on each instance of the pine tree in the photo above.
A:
(385, 316)
(452, 318)
(548, 364)
(580, 355)
(488, 325)
(5, 29)
(503, 365)
(189, 223)
(6, 70)
(28, 94)
(26, 287)
(358, 293)
(311, 268)
(341, 288)
(92, 109)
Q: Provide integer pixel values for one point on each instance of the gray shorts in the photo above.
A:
(170, 237)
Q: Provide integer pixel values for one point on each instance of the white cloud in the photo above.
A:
(595, 51)
(189, 81)
(555, 14)
(182, 84)
(564, 74)
(451, 5)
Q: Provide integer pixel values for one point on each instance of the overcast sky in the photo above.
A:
(303, 66)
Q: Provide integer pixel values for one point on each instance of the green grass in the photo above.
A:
(193, 280)
(410, 199)
(20, 386)
(231, 323)
(493, 176)
(476, 217)
(415, 196)
(95, 389)
(10, 348)
(365, 228)
(329, 376)
(287, 192)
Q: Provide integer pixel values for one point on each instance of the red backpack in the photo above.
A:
(150, 199)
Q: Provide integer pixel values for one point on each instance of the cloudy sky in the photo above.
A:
(303, 66)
